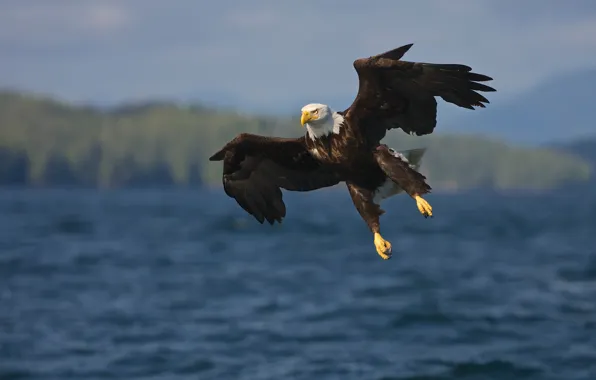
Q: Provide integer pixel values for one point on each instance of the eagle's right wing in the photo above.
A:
(393, 93)
(256, 168)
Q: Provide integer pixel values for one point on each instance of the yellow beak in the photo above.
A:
(305, 118)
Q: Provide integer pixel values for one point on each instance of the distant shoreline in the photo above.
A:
(53, 144)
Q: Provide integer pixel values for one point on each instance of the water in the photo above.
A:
(183, 285)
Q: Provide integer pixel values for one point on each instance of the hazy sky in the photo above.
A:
(277, 55)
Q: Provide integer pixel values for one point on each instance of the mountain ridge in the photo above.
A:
(557, 110)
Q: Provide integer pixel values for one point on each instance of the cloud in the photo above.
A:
(274, 55)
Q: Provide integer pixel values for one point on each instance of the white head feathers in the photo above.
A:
(320, 120)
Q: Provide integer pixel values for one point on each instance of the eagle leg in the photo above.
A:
(401, 168)
(370, 213)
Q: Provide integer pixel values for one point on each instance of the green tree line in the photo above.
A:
(45, 142)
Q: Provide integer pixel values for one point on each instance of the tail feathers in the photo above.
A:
(414, 156)
(402, 168)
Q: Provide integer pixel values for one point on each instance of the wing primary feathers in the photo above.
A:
(480, 78)
(481, 87)
(396, 53)
(449, 66)
(218, 156)
(400, 94)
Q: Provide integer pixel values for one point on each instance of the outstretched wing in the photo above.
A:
(256, 168)
(398, 94)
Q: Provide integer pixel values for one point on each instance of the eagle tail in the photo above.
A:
(402, 168)
(414, 156)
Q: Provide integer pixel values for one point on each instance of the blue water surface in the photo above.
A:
(182, 284)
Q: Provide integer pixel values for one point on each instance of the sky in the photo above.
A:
(274, 56)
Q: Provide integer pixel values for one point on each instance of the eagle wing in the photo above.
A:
(256, 168)
(398, 94)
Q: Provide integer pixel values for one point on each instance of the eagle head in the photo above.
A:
(315, 115)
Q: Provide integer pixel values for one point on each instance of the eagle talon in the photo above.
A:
(423, 206)
(383, 247)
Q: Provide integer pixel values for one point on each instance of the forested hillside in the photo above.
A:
(47, 143)
(584, 148)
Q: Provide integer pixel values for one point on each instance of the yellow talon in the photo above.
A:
(383, 247)
(423, 206)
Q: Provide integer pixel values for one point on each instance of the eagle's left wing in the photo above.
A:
(399, 94)
(256, 168)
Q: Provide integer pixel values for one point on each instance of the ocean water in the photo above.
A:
(184, 285)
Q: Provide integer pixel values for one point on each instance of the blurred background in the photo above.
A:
(121, 257)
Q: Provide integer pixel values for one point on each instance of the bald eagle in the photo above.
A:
(345, 146)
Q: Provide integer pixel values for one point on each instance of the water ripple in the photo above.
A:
(183, 285)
